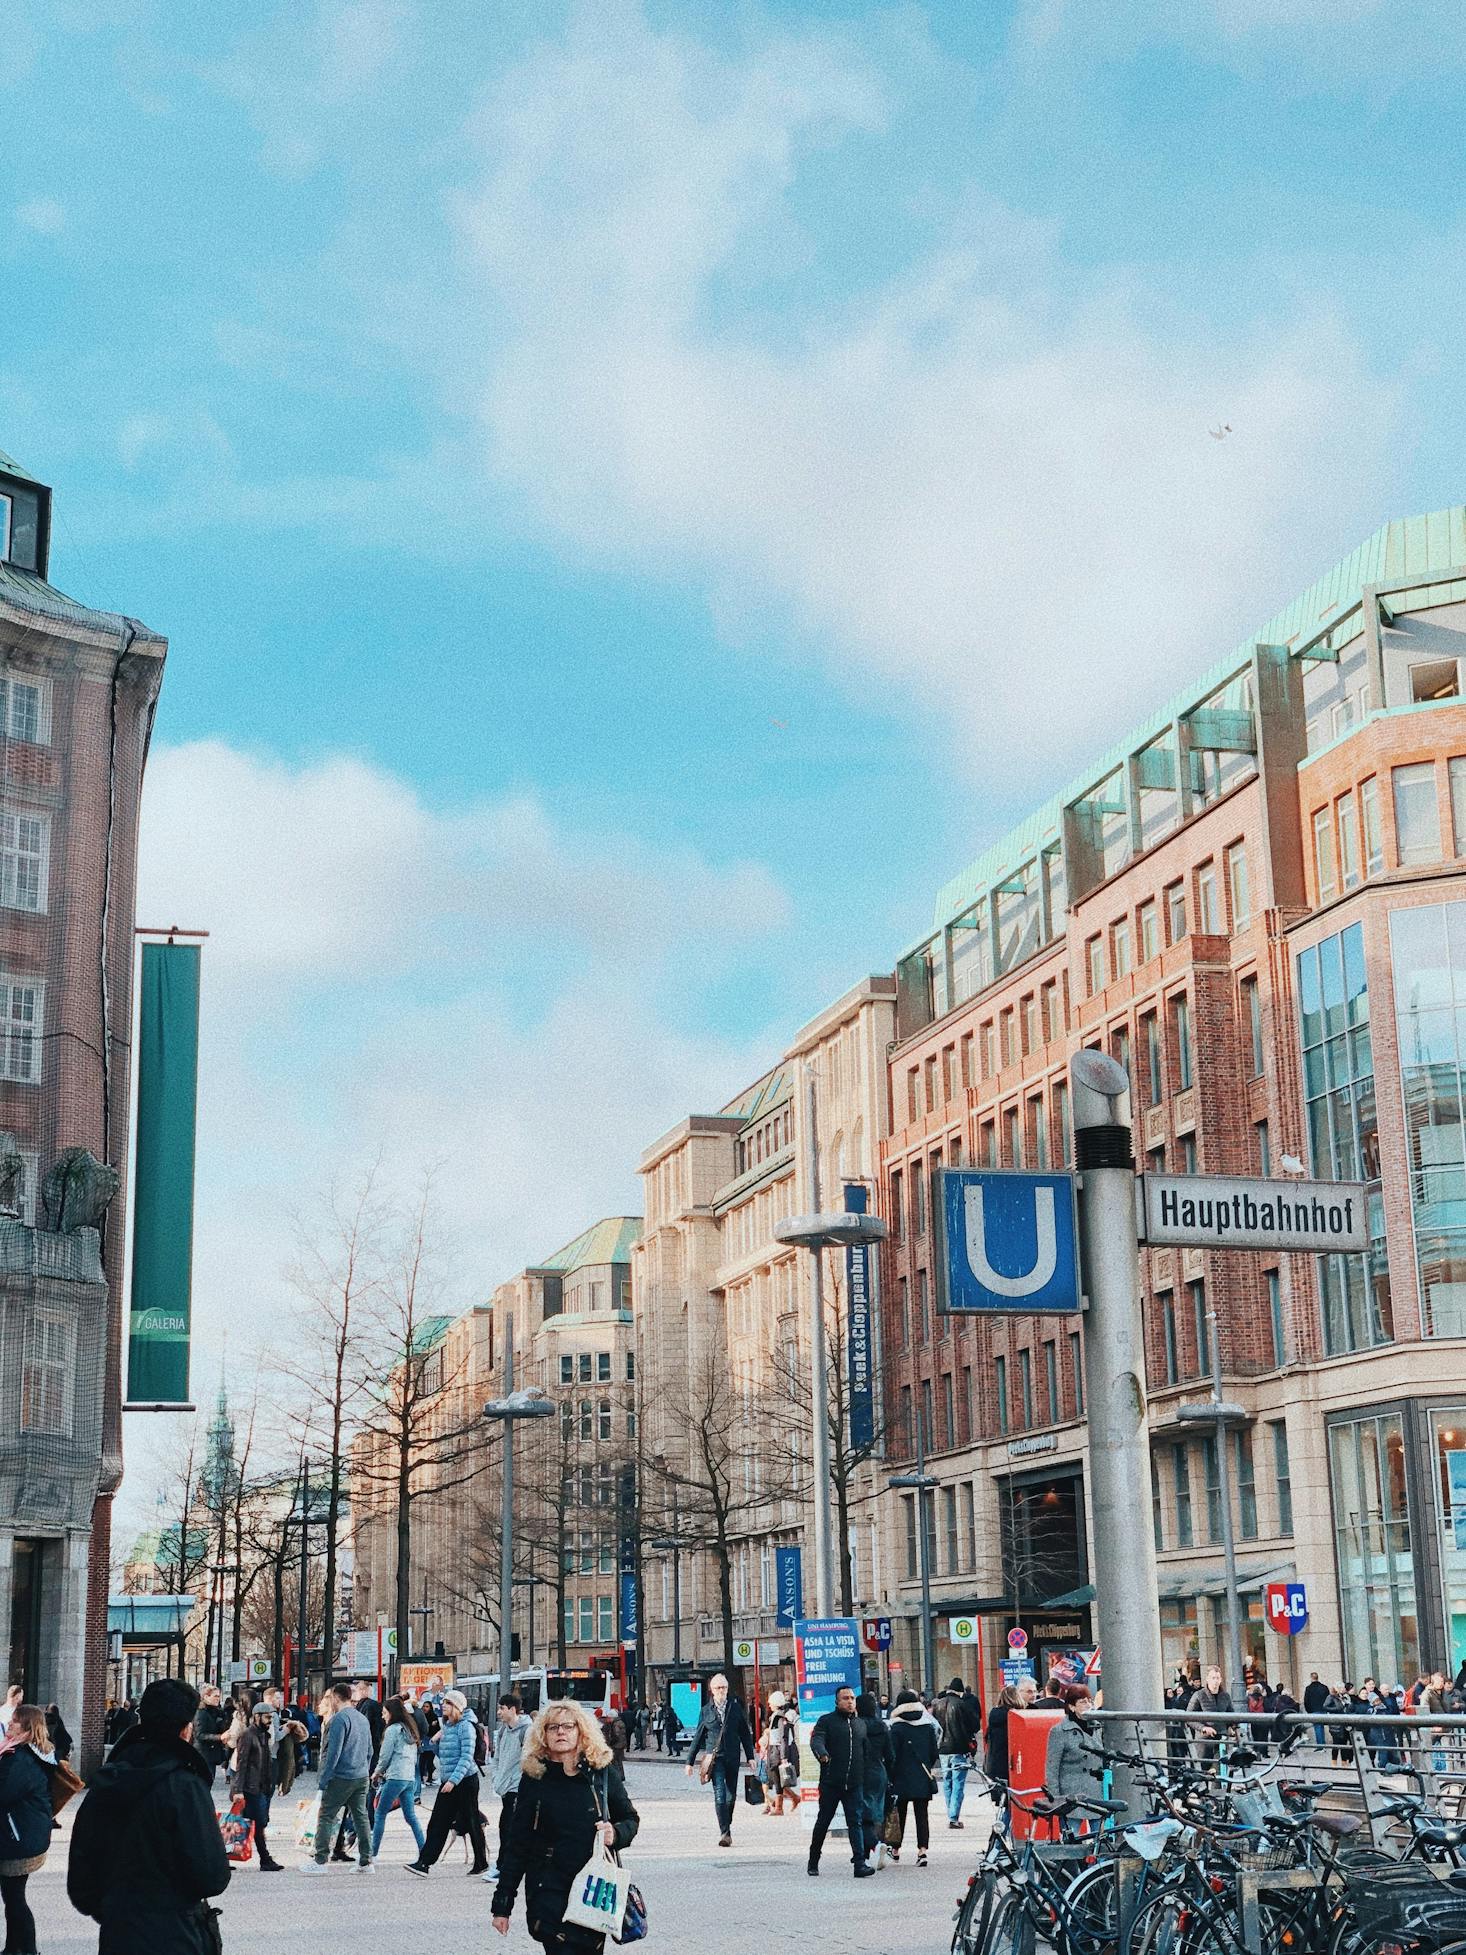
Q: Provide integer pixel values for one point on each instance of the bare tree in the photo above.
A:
(338, 1277)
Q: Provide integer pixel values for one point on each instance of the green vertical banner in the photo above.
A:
(162, 1201)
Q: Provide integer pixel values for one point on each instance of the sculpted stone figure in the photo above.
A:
(76, 1192)
(11, 1170)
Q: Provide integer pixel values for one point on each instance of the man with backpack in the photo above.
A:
(959, 1718)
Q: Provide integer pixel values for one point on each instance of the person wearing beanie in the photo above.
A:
(146, 1851)
(456, 1807)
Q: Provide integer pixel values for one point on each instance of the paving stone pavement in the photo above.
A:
(750, 1899)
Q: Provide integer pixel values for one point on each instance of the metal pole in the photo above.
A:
(1222, 1440)
(928, 1659)
(824, 1571)
(305, 1507)
(506, 1533)
(676, 1587)
(1114, 1362)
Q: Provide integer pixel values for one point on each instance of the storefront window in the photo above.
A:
(1448, 1430)
(1429, 959)
(1343, 1131)
(1180, 1646)
(1373, 1548)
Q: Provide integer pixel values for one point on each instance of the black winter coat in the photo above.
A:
(209, 1726)
(877, 1752)
(914, 1750)
(996, 1762)
(960, 1716)
(728, 1744)
(838, 1742)
(550, 1839)
(146, 1852)
(25, 1805)
(253, 1770)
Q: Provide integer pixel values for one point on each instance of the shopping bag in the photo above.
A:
(891, 1828)
(238, 1832)
(633, 1922)
(753, 1790)
(307, 1814)
(598, 1893)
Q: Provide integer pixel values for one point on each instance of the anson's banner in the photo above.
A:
(162, 1199)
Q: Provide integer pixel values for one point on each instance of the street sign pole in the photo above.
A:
(1128, 1602)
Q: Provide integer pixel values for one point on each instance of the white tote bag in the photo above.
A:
(598, 1893)
(307, 1816)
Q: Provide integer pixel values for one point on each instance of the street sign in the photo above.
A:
(875, 1632)
(1226, 1211)
(743, 1652)
(1007, 1241)
(1092, 1663)
(769, 1652)
(257, 1669)
(1016, 1669)
(826, 1659)
(1017, 1640)
(962, 1629)
(1287, 1607)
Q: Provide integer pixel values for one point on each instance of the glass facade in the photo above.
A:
(1343, 1130)
(1428, 954)
(1373, 1548)
(1448, 1443)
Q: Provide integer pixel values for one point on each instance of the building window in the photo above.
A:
(25, 708)
(923, 1301)
(987, 1142)
(570, 1618)
(1343, 1129)
(1323, 854)
(1076, 1364)
(1181, 1482)
(587, 1419)
(1040, 1133)
(908, 1503)
(1373, 1547)
(1025, 1385)
(25, 849)
(949, 1529)
(1007, 1037)
(897, 1220)
(1348, 841)
(1456, 769)
(1012, 1138)
(1000, 1385)
(1120, 947)
(1428, 952)
(1155, 1071)
(903, 1306)
(1051, 1378)
(949, 1073)
(1282, 1477)
(1031, 1040)
(949, 1410)
(1094, 963)
(1239, 892)
(1369, 821)
(1051, 1025)
(45, 1369)
(587, 1619)
(603, 1366)
(1197, 1293)
(1252, 1020)
(1264, 1147)
(1417, 815)
(927, 1425)
(603, 1419)
(969, 1526)
(1181, 1038)
(989, 1037)
(1186, 1154)
(567, 1371)
(967, 1074)
(1150, 932)
(1120, 1049)
(931, 1083)
(913, 1094)
(967, 1406)
(1208, 911)
(1168, 1335)
(1211, 1467)
(630, 1367)
(1157, 1531)
(1274, 1283)
(1175, 912)
(1246, 1485)
(907, 1426)
(918, 1199)
(584, 1363)
(606, 1612)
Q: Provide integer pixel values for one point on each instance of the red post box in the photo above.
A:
(1028, 1743)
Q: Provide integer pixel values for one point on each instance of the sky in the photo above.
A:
(640, 492)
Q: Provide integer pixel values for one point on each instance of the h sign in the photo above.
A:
(1008, 1241)
(1287, 1607)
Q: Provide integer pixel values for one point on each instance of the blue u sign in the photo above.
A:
(1008, 1241)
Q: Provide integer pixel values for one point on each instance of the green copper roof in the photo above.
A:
(772, 1090)
(610, 1241)
(429, 1334)
(10, 466)
(1408, 550)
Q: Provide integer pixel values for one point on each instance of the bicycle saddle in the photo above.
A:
(1436, 1835)
(1338, 1825)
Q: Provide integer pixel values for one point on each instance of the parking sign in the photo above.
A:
(1008, 1242)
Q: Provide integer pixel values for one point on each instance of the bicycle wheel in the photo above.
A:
(1009, 1929)
(970, 1932)
(1090, 1919)
(1173, 1923)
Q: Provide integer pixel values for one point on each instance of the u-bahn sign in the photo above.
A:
(1215, 1211)
(1007, 1241)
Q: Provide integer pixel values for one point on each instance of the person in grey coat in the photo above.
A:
(1071, 1772)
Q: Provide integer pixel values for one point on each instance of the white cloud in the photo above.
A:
(987, 483)
(485, 987)
(46, 216)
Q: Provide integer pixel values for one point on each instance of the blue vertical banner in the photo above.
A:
(789, 1584)
(860, 1423)
(630, 1631)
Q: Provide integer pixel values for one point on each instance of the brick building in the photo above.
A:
(1256, 903)
(78, 689)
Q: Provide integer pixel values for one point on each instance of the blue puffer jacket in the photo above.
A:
(455, 1750)
(25, 1805)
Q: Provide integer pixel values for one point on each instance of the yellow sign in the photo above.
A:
(743, 1652)
(425, 1679)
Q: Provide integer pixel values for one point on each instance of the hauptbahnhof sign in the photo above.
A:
(1233, 1212)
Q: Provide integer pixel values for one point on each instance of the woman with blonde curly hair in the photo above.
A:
(571, 1789)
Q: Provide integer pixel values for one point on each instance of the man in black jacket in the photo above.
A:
(209, 1726)
(1315, 1699)
(722, 1738)
(146, 1851)
(838, 1741)
(959, 1715)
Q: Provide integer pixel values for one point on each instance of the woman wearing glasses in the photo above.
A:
(570, 1789)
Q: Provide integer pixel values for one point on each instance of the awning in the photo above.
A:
(1076, 1598)
(148, 1619)
(1176, 1584)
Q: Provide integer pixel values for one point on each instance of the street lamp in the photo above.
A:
(921, 1483)
(529, 1402)
(817, 1233)
(1224, 1417)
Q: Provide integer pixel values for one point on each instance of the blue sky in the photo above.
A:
(641, 492)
